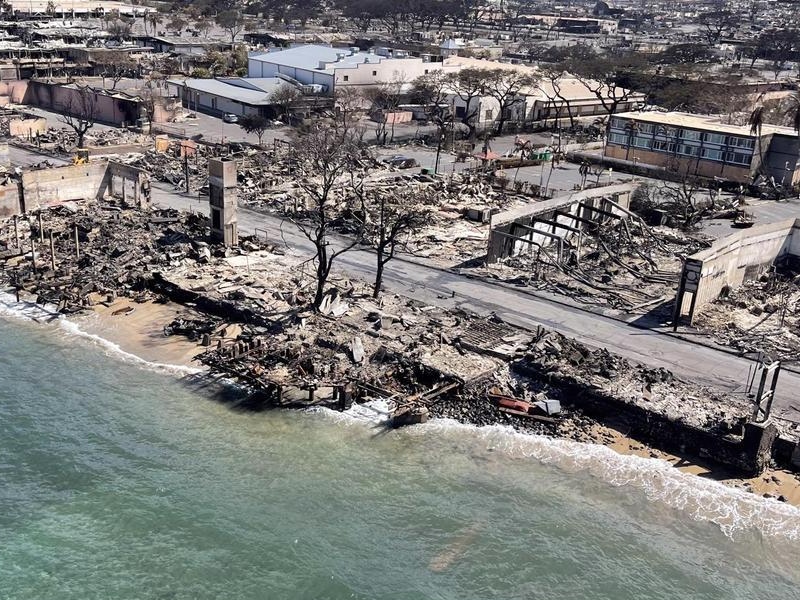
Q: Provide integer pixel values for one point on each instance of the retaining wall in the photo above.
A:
(736, 258)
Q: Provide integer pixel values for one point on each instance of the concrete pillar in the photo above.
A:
(757, 445)
(222, 200)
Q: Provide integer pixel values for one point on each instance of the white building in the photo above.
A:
(330, 68)
(230, 95)
(543, 100)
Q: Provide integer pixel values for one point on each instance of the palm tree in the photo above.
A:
(756, 122)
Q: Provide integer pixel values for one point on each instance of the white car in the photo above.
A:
(230, 118)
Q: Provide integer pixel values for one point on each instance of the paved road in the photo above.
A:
(435, 286)
(19, 157)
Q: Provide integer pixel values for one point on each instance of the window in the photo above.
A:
(737, 158)
(618, 138)
(646, 127)
(642, 142)
(346, 78)
(741, 142)
(617, 123)
(374, 73)
(714, 138)
(712, 154)
(461, 112)
(688, 150)
(689, 134)
(426, 71)
(664, 146)
(488, 115)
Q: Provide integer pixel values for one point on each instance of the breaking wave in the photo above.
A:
(733, 510)
(32, 312)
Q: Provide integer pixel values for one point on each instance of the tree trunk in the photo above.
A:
(376, 290)
(322, 271)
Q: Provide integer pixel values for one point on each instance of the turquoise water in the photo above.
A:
(123, 482)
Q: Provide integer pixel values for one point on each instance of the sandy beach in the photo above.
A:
(774, 483)
(141, 332)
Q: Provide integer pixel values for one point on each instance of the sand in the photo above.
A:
(141, 333)
(773, 482)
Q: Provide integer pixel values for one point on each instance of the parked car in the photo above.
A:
(230, 118)
(401, 162)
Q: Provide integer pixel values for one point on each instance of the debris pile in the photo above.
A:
(398, 349)
(76, 254)
(422, 360)
(171, 167)
(623, 265)
(760, 316)
(555, 357)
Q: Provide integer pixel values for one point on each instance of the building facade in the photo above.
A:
(697, 145)
(326, 68)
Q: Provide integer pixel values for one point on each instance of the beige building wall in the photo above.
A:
(703, 168)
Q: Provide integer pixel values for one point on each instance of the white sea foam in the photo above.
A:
(30, 311)
(733, 510)
(374, 412)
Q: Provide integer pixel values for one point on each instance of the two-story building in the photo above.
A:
(703, 146)
(326, 68)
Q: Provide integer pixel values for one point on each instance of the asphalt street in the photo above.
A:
(429, 284)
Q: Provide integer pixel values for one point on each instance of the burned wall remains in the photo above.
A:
(556, 221)
(732, 260)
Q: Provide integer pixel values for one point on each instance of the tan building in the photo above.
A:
(703, 146)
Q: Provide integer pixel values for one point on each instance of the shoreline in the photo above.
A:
(140, 333)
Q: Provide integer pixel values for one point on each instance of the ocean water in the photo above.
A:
(124, 480)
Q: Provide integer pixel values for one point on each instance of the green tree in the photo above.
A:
(232, 22)
(254, 123)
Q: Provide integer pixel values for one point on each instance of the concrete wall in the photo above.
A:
(509, 229)
(781, 159)
(26, 127)
(740, 256)
(14, 91)
(95, 180)
(10, 199)
(107, 109)
(49, 187)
